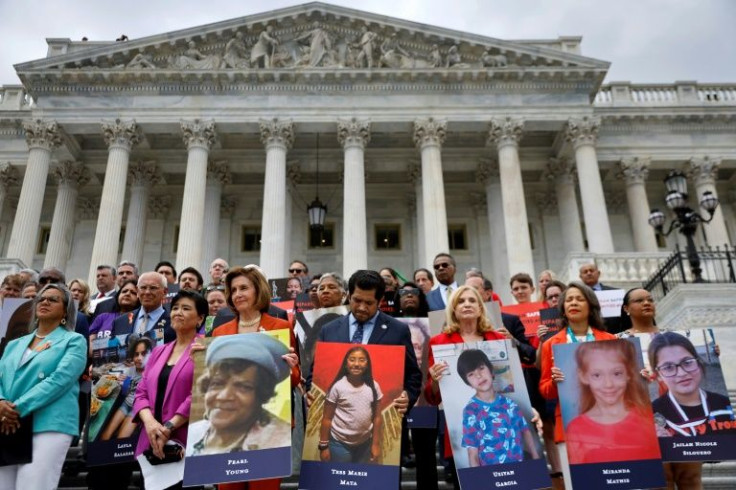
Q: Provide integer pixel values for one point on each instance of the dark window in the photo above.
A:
(121, 239)
(324, 238)
(388, 237)
(43, 240)
(176, 238)
(457, 236)
(250, 239)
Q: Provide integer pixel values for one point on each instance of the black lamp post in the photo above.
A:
(686, 219)
(316, 209)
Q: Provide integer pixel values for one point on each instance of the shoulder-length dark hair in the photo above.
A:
(367, 374)
(671, 339)
(595, 319)
(70, 308)
(116, 299)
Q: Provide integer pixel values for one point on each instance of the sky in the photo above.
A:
(647, 41)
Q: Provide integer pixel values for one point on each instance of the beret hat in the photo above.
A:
(259, 348)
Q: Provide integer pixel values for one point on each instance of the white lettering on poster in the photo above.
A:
(617, 481)
(236, 462)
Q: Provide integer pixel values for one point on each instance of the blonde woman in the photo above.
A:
(80, 293)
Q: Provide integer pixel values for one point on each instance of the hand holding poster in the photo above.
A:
(528, 313)
(494, 442)
(240, 420)
(353, 435)
(609, 425)
(422, 413)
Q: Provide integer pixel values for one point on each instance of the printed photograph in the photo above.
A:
(419, 329)
(308, 325)
(352, 418)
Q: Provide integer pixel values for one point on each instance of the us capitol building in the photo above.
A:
(212, 141)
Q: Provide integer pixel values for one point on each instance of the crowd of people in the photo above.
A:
(45, 368)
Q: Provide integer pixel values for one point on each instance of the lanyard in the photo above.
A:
(571, 339)
(704, 404)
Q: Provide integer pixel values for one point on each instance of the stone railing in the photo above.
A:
(626, 94)
(625, 269)
(15, 98)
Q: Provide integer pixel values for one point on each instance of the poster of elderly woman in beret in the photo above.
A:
(240, 421)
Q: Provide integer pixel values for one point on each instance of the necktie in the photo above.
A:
(449, 294)
(358, 335)
(143, 326)
(100, 295)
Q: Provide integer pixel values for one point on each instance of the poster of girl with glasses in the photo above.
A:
(693, 414)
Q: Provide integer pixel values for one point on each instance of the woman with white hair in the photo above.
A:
(39, 389)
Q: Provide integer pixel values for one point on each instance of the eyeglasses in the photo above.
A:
(215, 287)
(553, 296)
(688, 365)
(49, 299)
(409, 291)
(296, 271)
(442, 265)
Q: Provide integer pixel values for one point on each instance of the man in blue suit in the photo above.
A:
(365, 324)
(151, 319)
(444, 271)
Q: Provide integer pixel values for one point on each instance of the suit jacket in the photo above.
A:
(268, 323)
(435, 301)
(124, 324)
(105, 306)
(225, 315)
(46, 383)
(512, 323)
(178, 396)
(394, 333)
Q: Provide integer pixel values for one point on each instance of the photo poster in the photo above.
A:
(303, 303)
(705, 431)
(608, 451)
(15, 318)
(117, 367)
(256, 450)
(513, 456)
(307, 327)
(528, 313)
(437, 322)
(361, 472)
(286, 288)
(171, 291)
(422, 414)
(550, 317)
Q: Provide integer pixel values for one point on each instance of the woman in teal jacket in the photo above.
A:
(39, 375)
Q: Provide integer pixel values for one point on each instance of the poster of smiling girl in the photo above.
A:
(609, 426)
(240, 420)
(353, 435)
(694, 417)
(494, 442)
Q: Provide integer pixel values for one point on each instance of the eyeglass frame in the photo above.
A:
(677, 366)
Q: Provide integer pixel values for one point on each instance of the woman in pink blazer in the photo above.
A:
(164, 394)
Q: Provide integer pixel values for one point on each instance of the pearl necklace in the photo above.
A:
(39, 336)
(249, 324)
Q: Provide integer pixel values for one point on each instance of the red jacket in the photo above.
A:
(547, 387)
(436, 399)
(268, 323)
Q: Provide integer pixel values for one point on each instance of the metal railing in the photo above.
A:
(718, 265)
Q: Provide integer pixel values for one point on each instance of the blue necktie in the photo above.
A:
(358, 335)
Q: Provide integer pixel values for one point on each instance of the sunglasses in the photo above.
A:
(442, 265)
(296, 271)
(410, 291)
(49, 280)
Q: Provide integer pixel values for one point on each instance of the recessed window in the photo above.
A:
(324, 238)
(43, 240)
(388, 236)
(457, 236)
(250, 238)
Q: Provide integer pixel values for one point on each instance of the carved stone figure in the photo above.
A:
(454, 60)
(263, 51)
(320, 46)
(393, 55)
(193, 59)
(489, 60)
(435, 58)
(236, 54)
(366, 48)
(141, 61)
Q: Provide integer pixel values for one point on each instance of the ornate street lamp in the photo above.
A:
(686, 219)
(316, 209)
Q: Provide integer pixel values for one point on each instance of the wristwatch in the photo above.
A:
(323, 445)
(169, 425)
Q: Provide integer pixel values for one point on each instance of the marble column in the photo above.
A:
(561, 171)
(583, 134)
(414, 170)
(218, 174)
(635, 171)
(505, 134)
(277, 136)
(42, 137)
(293, 177)
(429, 135)
(8, 178)
(141, 175)
(199, 136)
(353, 135)
(70, 176)
(121, 136)
(488, 175)
(704, 171)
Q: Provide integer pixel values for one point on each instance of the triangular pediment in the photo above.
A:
(313, 37)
